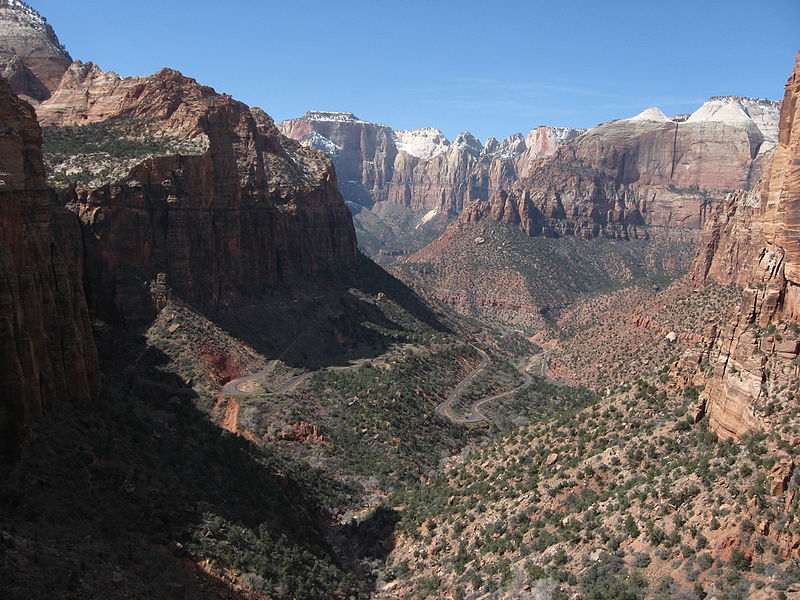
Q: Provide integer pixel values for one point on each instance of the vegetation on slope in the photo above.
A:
(497, 273)
(97, 153)
(606, 502)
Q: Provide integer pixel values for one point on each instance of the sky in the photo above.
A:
(490, 67)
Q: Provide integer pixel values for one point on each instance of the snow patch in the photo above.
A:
(315, 141)
(336, 117)
(21, 7)
(467, 142)
(562, 134)
(650, 114)
(746, 113)
(512, 146)
(426, 143)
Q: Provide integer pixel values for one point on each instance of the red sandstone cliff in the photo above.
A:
(754, 240)
(47, 354)
(234, 209)
(649, 169)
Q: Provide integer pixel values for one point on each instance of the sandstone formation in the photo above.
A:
(47, 354)
(362, 152)
(620, 179)
(565, 199)
(419, 168)
(31, 57)
(753, 241)
(648, 170)
(229, 208)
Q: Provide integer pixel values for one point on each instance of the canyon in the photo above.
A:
(578, 377)
(753, 242)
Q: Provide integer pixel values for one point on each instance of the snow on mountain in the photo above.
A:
(736, 110)
(315, 141)
(650, 114)
(562, 134)
(336, 117)
(512, 146)
(426, 143)
(467, 142)
(36, 20)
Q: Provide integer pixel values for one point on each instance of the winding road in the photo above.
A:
(232, 387)
(473, 412)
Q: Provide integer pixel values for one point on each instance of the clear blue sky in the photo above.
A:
(491, 67)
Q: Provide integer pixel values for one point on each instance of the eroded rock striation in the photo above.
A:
(47, 354)
(613, 180)
(31, 57)
(753, 240)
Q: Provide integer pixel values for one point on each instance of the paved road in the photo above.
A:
(473, 413)
(445, 407)
(545, 358)
(232, 387)
(295, 381)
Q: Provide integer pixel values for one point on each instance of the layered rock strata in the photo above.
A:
(612, 180)
(47, 354)
(228, 210)
(753, 240)
(650, 170)
(419, 168)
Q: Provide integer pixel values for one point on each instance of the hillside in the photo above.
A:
(578, 379)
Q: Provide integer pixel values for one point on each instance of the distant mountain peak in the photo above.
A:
(650, 114)
(425, 143)
(31, 57)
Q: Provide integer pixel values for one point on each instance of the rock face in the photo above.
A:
(753, 240)
(47, 354)
(362, 152)
(565, 199)
(612, 180)
(244, 210)
(419, 168)
(651, 170)
(31, 57)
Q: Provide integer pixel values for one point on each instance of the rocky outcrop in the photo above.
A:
(31, 57)
(753, 240)
(228, 210)
(47, 354)
(712, 150)
(544, 141)
(566, 199)
(362, 152)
